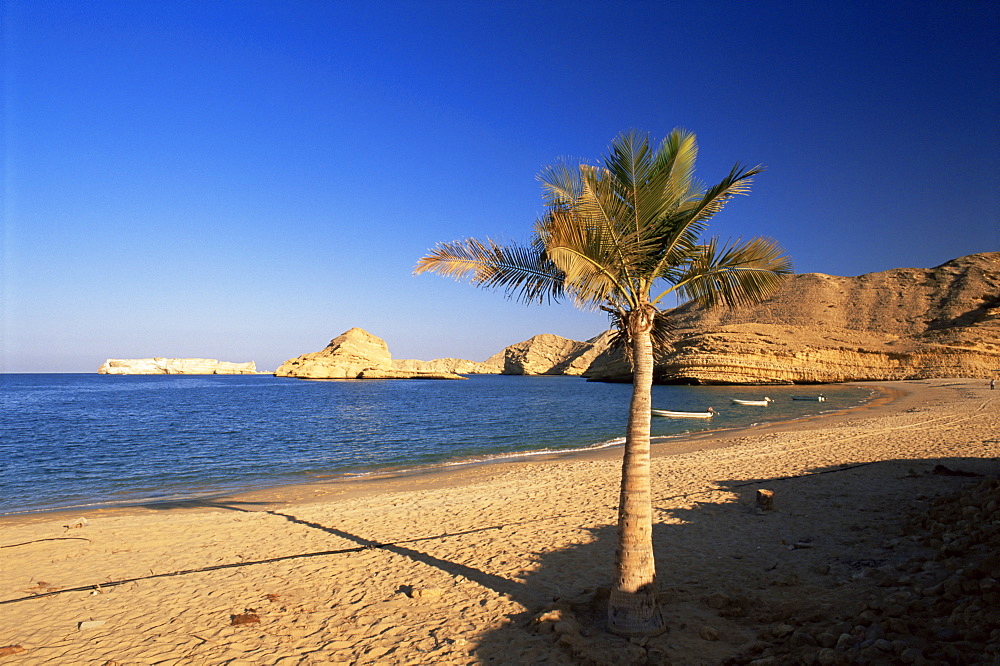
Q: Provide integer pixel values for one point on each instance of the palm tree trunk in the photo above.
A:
(632, 609)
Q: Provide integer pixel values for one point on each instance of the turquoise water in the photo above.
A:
(80, 440)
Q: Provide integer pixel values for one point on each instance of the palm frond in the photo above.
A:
(629, 160)
(587, 253)
(715, 198)
(740, 274)
(561, 184)
(627, 195)
(676, 157)
(599, 201)
(637, 179)
(522, 271)
(680, 232)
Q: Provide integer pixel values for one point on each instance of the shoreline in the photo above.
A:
(505, 563)
(79, 473)
(460, 471)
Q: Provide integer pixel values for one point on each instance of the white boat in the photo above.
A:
(684, 415)
(756, 403)
(817, 398)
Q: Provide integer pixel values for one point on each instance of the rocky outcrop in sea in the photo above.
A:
(355, 354)
(175, 366)
(491, 366)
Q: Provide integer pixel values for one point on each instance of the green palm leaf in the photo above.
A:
(736, 275)
(523, 272)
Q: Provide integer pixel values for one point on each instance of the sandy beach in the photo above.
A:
(860, 560)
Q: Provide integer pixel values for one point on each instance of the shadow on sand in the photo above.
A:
(736, 583)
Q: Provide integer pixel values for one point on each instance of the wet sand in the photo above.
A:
(481, 563)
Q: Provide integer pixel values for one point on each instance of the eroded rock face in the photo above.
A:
(905, 323)
(548, 354)
(175, 366)
(355, 354)
(492, 366)
(345, 357)
(544, 354)
(596, 348)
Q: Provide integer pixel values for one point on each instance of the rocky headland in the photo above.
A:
(175, 366)
(491, 366)
(905, 323)
(548, 354)
(357, 354)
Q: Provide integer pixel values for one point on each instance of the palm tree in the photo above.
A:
(623, 236)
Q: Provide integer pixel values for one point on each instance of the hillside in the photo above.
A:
(905, 323)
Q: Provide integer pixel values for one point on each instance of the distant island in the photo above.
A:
(175, 366)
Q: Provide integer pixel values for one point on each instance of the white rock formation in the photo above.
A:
(548, 354)
(175, 366)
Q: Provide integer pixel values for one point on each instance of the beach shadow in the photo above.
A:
(731, 576)
(733, 579)
(204, 503)
(497, 584)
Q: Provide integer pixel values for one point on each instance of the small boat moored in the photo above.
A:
(817, 398)
(756, 403)
(684, 415)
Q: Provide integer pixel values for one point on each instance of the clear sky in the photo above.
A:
(246, 180)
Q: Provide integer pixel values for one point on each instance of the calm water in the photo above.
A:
(80, 440)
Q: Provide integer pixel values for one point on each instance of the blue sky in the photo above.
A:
(247, 180)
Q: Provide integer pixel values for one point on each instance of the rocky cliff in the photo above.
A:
(491, 366)
(548, 354)
(174, 366)
(906, 323)
(355, 354)
(544, 354)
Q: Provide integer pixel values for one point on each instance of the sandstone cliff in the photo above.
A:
(548, 354)
(355, 354)
(906, 323)
(174, 366)
(544, 354)
(491, 366)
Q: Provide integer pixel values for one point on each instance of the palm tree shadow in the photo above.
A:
(498, 584)
(547, 585)
(205, 503)
(733, 577)
(728, 572)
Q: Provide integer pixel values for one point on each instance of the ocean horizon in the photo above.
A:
(88, 441)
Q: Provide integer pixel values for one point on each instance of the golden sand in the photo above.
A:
(498, 563)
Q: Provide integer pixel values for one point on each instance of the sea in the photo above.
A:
(87, 441)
